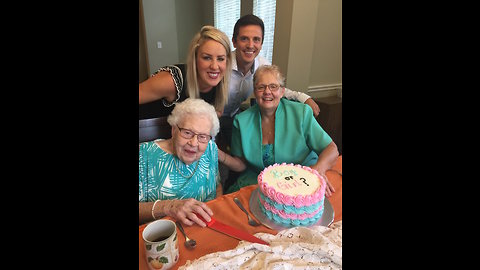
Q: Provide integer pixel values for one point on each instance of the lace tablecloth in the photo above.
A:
(317, 247)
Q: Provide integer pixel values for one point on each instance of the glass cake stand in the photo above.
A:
(325, 220)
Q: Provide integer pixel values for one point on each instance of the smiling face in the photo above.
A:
(248, 44)
(266, 98)
(190, 150)
(211, 62)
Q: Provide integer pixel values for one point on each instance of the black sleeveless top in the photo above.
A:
(162, 107)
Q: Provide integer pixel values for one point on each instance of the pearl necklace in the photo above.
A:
(178, 170)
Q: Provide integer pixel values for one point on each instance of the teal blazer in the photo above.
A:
(299, 139)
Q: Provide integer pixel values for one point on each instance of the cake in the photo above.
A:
(291, 195)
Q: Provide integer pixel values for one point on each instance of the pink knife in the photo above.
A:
(231, 231)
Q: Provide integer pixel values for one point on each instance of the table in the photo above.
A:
(226, 211)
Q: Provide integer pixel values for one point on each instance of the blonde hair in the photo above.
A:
(272, 69)
(206, 33)
(192, 107)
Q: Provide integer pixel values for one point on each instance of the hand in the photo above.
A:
(316, 110)
(184, 210)
(329, 188)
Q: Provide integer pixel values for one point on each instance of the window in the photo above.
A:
(226, 14)
(265, 10)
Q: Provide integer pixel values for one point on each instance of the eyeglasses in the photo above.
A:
(188, 134)
(262, 87)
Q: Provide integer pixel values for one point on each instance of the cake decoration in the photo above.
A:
(291, 194)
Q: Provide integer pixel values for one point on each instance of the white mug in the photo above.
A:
(161, 244)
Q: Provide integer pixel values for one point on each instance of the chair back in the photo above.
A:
(154, 128)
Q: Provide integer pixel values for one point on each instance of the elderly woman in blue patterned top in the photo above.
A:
(177, 175)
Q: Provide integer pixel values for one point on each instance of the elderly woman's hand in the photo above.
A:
(184, 211)
(329, 188)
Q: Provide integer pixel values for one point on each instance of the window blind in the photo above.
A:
(226, 14)
(265, 10)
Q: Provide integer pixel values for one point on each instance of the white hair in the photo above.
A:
(194, 106)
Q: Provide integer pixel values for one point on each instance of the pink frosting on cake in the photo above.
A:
(297, 201)
(285, 215)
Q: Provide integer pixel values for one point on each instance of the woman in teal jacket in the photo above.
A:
(277, 130)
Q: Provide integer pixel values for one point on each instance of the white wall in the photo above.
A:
(308, 45)
(160, 25)
(326, 68)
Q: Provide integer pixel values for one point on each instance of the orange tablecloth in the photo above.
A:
(226, 211)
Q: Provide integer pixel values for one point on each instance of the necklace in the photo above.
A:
(178, 170)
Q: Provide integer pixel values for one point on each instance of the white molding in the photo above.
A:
(325, 87)
(325, 90)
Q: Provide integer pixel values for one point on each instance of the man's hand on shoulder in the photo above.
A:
(316, 110)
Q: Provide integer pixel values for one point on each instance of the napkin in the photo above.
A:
(316, 247)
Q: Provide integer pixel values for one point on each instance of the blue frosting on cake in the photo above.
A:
(290, 222)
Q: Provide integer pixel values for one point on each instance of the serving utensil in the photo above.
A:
(251, 222)
(231, 231)
(189, 243)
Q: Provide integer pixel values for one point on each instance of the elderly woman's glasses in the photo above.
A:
(262, 87)
(188, 134)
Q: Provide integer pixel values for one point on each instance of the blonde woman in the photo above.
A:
(206, 75)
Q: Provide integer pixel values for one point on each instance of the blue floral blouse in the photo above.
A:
(268, 155)
(159, 177)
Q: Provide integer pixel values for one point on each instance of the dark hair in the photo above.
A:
(248, 19)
